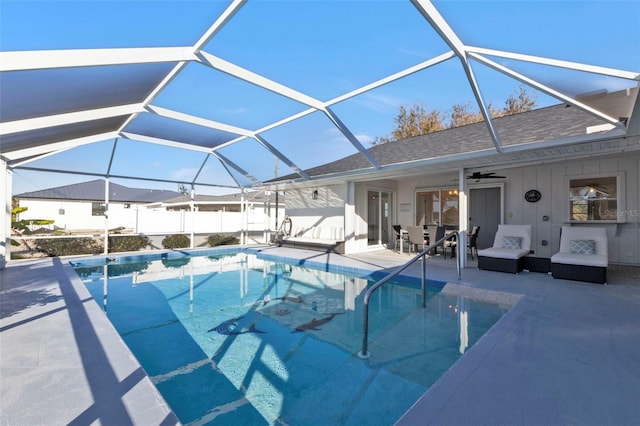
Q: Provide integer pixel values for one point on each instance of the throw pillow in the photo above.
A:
(510, 242)
(582, 246)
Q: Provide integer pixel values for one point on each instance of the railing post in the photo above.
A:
(364, 353)
(459, 259)
(424, 286)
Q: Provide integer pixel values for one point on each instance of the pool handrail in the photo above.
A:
(364, 354)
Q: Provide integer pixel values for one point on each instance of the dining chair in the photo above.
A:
(435, 234)
(400, 239)
(451, 244)
(432, 230)
(416, 237)
(472, 242)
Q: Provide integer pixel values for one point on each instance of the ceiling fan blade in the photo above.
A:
(490, 175)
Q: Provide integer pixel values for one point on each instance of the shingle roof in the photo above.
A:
(94, 191)
(554, 122)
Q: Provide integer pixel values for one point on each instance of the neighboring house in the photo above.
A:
(585, 170)
(81, 207)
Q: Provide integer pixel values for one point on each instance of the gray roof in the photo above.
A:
(94, 191)
(544, 124)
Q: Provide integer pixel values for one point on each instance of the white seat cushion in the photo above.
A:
(572, 236)
(580, 259)
(502, 253)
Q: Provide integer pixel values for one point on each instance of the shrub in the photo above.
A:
(128, 243)
(176, 241)
(176, 263)
(68, 246)
(221, 240)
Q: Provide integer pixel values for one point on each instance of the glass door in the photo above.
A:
(379, 217)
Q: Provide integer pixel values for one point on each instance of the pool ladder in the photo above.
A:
(364, 354)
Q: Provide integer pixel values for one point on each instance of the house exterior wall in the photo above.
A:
(333, 207)
(76, 215)
(322, 218)
(552, 181)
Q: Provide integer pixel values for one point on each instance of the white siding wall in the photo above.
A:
(325, 215)
(551, 180)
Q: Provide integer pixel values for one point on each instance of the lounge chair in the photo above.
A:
(510, 245)
(582, 256)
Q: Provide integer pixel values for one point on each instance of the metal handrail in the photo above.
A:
(367, 296)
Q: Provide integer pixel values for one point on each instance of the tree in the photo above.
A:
(522, 103)
(461, 116)
(417, 121)
(21, 226)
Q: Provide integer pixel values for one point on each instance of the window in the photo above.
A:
(437, 207)
(97, 209)
(593, 199)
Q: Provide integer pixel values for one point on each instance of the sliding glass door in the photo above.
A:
(379, 217)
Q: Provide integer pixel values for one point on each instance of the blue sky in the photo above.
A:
(322, 49)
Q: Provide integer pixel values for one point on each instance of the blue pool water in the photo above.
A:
(234, 338)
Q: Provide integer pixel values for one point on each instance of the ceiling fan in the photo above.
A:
(491, 175)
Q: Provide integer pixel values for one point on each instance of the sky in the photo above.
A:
(322, 49)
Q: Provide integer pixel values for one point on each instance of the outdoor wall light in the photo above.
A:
(314, 194)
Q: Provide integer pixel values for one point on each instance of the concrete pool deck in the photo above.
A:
(567, 353)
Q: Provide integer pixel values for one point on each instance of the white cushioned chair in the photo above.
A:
(582, 256)
(510, 245)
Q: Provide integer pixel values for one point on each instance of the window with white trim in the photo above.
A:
(593, 199)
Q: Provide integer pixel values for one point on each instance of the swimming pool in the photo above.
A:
(236, 337)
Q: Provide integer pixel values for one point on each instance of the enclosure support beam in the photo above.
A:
(106, 215)
(5, 216)
(463, 218)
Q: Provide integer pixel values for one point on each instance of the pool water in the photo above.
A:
(235, 338)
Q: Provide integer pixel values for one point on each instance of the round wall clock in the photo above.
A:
(532, 195)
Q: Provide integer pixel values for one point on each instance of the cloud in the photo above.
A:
(380, 103)
(184, 174)
(364, 138)
(238, 110)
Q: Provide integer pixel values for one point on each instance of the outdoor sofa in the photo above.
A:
(315, 238)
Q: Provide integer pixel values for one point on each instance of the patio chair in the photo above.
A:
(472, 242)
(582, 256)
(416, 237)
(510, 245)
(435, 234)
(451, 244)
(400, 239)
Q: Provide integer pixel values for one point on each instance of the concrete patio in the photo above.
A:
(567, 353)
